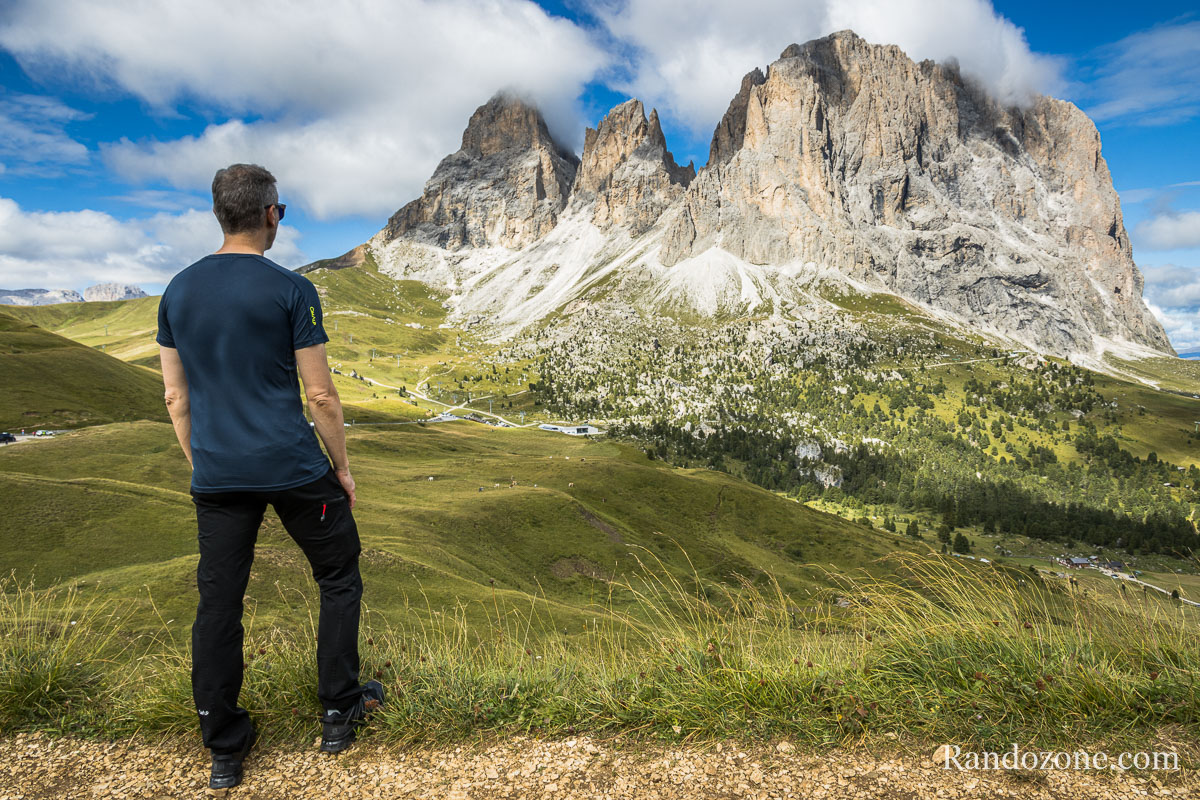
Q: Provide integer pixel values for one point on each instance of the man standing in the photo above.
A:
(234, 330)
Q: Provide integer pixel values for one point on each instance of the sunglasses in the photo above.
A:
(282, 208)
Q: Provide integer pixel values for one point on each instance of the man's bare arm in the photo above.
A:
(326, 409)
(176, 396)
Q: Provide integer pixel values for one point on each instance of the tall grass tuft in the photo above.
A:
(54, 651)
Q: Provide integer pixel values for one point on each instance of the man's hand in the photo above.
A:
(343, 476)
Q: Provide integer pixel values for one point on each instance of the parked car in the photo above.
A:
(6, 438)
(44, 433)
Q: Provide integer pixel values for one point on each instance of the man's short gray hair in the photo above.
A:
(241, 193)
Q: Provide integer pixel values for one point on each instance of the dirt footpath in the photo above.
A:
(33, 766)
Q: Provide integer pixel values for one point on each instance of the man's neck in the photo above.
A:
(246, 243)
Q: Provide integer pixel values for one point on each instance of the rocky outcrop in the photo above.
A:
(850, 155)
(351, 258)
(505, 187)
(38, 297)
(112, 291)
(627, 176)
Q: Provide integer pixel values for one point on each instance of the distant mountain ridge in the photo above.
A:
(42, 297)
(843, 163)
(38, 297)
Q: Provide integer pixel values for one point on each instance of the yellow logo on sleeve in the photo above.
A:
(313, 311)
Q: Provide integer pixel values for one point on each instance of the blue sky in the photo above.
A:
(114, 114)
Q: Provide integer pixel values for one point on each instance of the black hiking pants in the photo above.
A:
(317, 516)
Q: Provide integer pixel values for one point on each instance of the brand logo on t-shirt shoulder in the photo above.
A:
(313, 311)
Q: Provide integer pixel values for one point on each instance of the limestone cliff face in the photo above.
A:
(627, 177)
(850, 155)
(506, 185)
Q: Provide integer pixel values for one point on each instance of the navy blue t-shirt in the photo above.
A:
(236, 321)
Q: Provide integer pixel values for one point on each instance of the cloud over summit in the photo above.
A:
(352, 104)
(688, 56)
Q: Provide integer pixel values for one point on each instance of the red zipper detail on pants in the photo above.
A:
(323, 505)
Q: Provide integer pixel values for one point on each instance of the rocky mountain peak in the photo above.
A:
(38, 297)
(727, 138)
(627, 174)
(506, 122)
(505, 186)
(625, 133)
(820, 49)
(112, 291)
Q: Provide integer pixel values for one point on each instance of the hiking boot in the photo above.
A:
(338, 728)
(227, 767)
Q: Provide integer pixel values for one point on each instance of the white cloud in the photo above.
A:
(1134, 196)
(75, 249)
(33, 139)
(1182, 326)
(1148, 78)
(164, 200)
(688, 57)
(1170, 230)
(1172, 286)
(1173, 295)
(350, 104)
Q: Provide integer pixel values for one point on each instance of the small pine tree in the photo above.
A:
(889, 524)
(961, 545)
(913, 530)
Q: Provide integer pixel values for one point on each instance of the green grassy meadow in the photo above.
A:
(53, 382)
(520, 580)
(119, 493)
(645, 599)
(124, 328)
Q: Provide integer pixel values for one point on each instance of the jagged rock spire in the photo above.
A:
(727, 138)
(627, 174)
(504, 187)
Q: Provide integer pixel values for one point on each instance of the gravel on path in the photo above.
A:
(38, 767)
